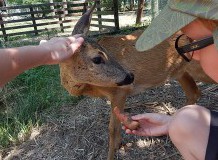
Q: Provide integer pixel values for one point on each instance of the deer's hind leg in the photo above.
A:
(190, 88)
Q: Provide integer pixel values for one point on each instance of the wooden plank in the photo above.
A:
(103, 20)
(41, 5)
(54, 22)
(102, 26)
(29, 32)
(32, 12)
(38, 24)
(104, 12)
(18, 27)
(41, 18)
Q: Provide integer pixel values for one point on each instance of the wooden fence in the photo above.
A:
(62, 16)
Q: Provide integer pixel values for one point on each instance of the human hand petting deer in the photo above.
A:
(14, 61)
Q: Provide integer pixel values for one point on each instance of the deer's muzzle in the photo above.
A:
(128, 80)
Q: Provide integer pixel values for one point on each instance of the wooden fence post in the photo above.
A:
(34, 21)
(131, 5)
(60, 20)
(99, 15)
(3, 28)
(52, 7)
(65, 7)
(61, 23)
(116, 14)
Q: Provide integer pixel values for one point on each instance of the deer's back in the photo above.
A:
(155, 66)
(150, 68)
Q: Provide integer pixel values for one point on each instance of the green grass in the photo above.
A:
(23, 100)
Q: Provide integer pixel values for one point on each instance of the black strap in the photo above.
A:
(192, 46)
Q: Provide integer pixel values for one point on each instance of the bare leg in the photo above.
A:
(189, 131)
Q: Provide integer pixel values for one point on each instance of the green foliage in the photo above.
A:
(33, 1)
(30, 1)
(26, 1)
(108, 4)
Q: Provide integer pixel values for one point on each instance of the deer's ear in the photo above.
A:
(83, 24)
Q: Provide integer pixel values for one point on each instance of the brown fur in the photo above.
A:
(150, 68)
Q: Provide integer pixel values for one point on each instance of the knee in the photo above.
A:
(184, 123)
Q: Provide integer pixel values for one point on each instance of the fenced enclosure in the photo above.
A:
(31, 20)
(50, 17)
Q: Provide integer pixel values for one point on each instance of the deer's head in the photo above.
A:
(92, 64)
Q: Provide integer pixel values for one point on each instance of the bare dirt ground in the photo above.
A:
(80, 132)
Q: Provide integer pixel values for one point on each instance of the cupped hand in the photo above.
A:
(59, 49)
(125, 119)
(151, 124)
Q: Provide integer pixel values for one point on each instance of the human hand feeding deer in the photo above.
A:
(126, 120)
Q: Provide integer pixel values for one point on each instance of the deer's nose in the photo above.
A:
(128, 80)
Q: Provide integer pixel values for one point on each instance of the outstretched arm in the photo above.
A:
(14, 61)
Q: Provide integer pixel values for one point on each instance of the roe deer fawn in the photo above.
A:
(111, 67)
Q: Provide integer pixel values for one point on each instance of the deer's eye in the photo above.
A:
(97, 60)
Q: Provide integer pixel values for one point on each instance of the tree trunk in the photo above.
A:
(140, 11)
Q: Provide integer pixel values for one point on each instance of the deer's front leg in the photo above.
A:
(114, 125)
